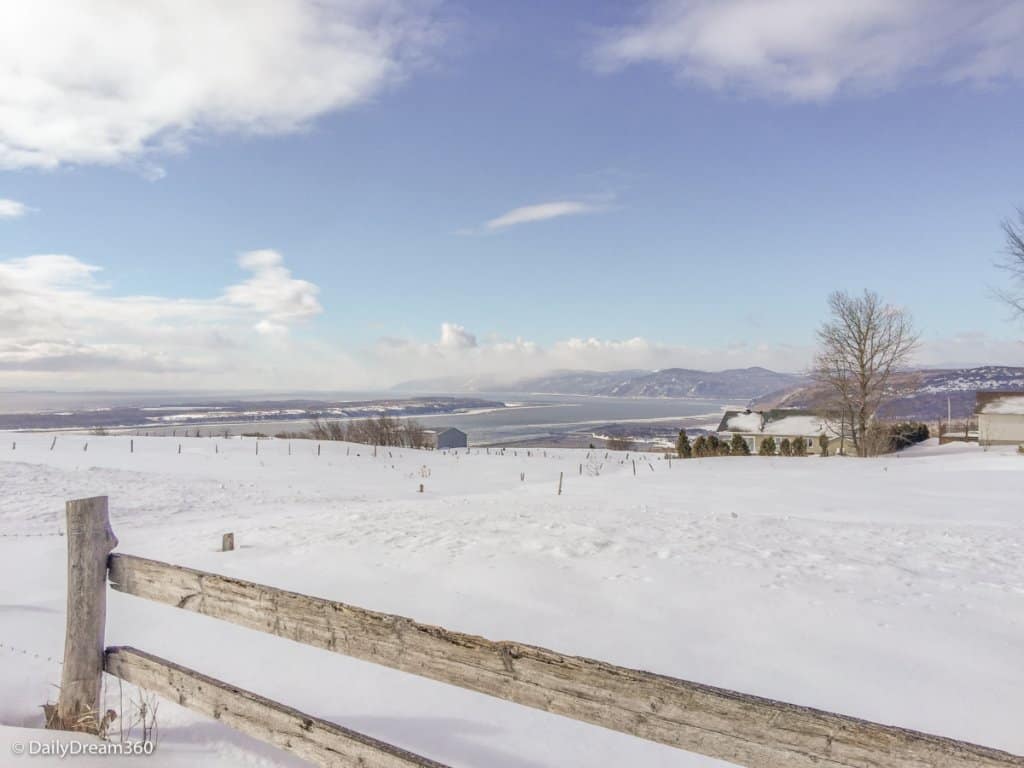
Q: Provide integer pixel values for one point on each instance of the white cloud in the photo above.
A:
(110, 81)
(540, 212)
(12, 209)
(59, 324)
(61, 327)
(814, 49)
(501, 360)
(273, 292)
(456, 337)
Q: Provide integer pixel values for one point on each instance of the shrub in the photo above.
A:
(907, 433)
(799, 446)
(683, 448)
(618, 444)
(785, 447)
(739, 446)
(700, 447)
(767, 447)
(724, 449)
(823, 444)
(383, 430)
(712, 445)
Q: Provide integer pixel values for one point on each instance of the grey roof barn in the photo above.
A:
(450, 438)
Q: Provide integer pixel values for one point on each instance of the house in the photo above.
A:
(780, 424)
(1000, 418)
(450, 438)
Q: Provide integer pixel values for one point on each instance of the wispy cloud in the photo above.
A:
(529, 214)
(12, 209)
(158, 74)
(808, 50)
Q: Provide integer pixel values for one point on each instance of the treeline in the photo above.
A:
(709, 445)
(383, 430)
(879, 438)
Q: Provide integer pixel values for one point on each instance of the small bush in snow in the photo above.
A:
(738, 446)
(907, 433)
(799, 447)
(683, 448)
(785, 447)
(767, 447)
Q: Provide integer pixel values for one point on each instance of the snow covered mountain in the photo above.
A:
(927, 394)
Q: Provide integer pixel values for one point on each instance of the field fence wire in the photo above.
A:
(29, 535)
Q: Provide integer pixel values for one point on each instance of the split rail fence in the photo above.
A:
(739, 728)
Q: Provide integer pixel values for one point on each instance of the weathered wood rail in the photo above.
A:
(318, 741)
(742, 729)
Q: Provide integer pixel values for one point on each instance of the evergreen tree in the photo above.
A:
(767, 447)
(683, 448)
(723, 448)
(712, 445)
(800, 446)
(785, 447)
(823, 444)
(739, 446)
(700, 447)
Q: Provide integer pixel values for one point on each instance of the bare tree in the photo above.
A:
(1014, 263)
(861, 348)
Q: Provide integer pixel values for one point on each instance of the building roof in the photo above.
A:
(450, 429)
(999, 403)
(791, 422)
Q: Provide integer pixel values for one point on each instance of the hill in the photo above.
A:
(927, 394)
(734, 384)
(859, 578)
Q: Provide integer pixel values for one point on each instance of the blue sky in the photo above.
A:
(714, 183)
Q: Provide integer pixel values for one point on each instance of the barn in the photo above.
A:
(450, 438)
(1000, 418)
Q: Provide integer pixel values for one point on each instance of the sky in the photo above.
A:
(346, 194)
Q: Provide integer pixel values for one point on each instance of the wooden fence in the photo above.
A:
(736, 727)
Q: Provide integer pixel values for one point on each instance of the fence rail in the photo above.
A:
(742, 729)
(319, 741)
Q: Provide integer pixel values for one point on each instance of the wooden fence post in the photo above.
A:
(90, 541)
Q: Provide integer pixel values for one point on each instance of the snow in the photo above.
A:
(890, 589)
(1008, 406)
(745, 422)
(807, 426)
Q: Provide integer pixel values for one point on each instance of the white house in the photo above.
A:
(780, 424)
(1000, 418)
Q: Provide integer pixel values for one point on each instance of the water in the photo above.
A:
(551, 416)
(566, 419)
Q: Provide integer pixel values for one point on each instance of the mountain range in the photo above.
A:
(927, 395)
(734, 384)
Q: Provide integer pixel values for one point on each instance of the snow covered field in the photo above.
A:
(890, 589)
